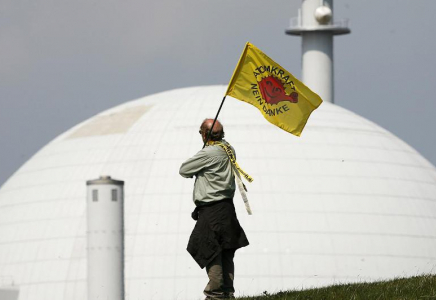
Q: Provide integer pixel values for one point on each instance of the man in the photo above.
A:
(217, 233)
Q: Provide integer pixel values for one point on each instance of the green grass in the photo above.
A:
(419, 287)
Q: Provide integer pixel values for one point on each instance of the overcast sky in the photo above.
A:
(62, 62)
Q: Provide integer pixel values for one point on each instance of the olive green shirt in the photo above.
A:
(214, 175)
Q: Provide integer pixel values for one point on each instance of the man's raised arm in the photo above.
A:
(193, 165)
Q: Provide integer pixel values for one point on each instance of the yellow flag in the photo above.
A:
(282, 99)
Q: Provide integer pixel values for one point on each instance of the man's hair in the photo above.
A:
(217, 133)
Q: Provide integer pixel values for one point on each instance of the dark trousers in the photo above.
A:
(221, 272)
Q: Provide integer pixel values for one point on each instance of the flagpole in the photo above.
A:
(210, 131)
(237, 69)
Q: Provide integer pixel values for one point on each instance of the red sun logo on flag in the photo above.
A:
(273, 92)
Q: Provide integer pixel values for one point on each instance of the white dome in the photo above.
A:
(348, 201)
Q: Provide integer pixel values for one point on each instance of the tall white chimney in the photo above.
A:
(316, 26)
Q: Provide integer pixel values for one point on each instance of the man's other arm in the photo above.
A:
(194, 165)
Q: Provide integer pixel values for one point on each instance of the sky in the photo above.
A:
(62, 62)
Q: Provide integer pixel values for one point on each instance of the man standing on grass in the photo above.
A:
(217, 233)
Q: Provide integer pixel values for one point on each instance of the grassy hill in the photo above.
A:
(416, 288)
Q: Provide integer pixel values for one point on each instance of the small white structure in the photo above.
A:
(105, 224)
(8, 293)
(346, 202)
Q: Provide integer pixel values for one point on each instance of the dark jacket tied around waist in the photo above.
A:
(217, 228)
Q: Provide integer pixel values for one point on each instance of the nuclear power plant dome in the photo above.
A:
(346, 202)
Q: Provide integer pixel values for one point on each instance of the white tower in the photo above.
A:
(316, 26)
(105, 239)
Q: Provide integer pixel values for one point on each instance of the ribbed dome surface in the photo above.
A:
(347, 201)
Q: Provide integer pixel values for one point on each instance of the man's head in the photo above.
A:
(217, 133)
